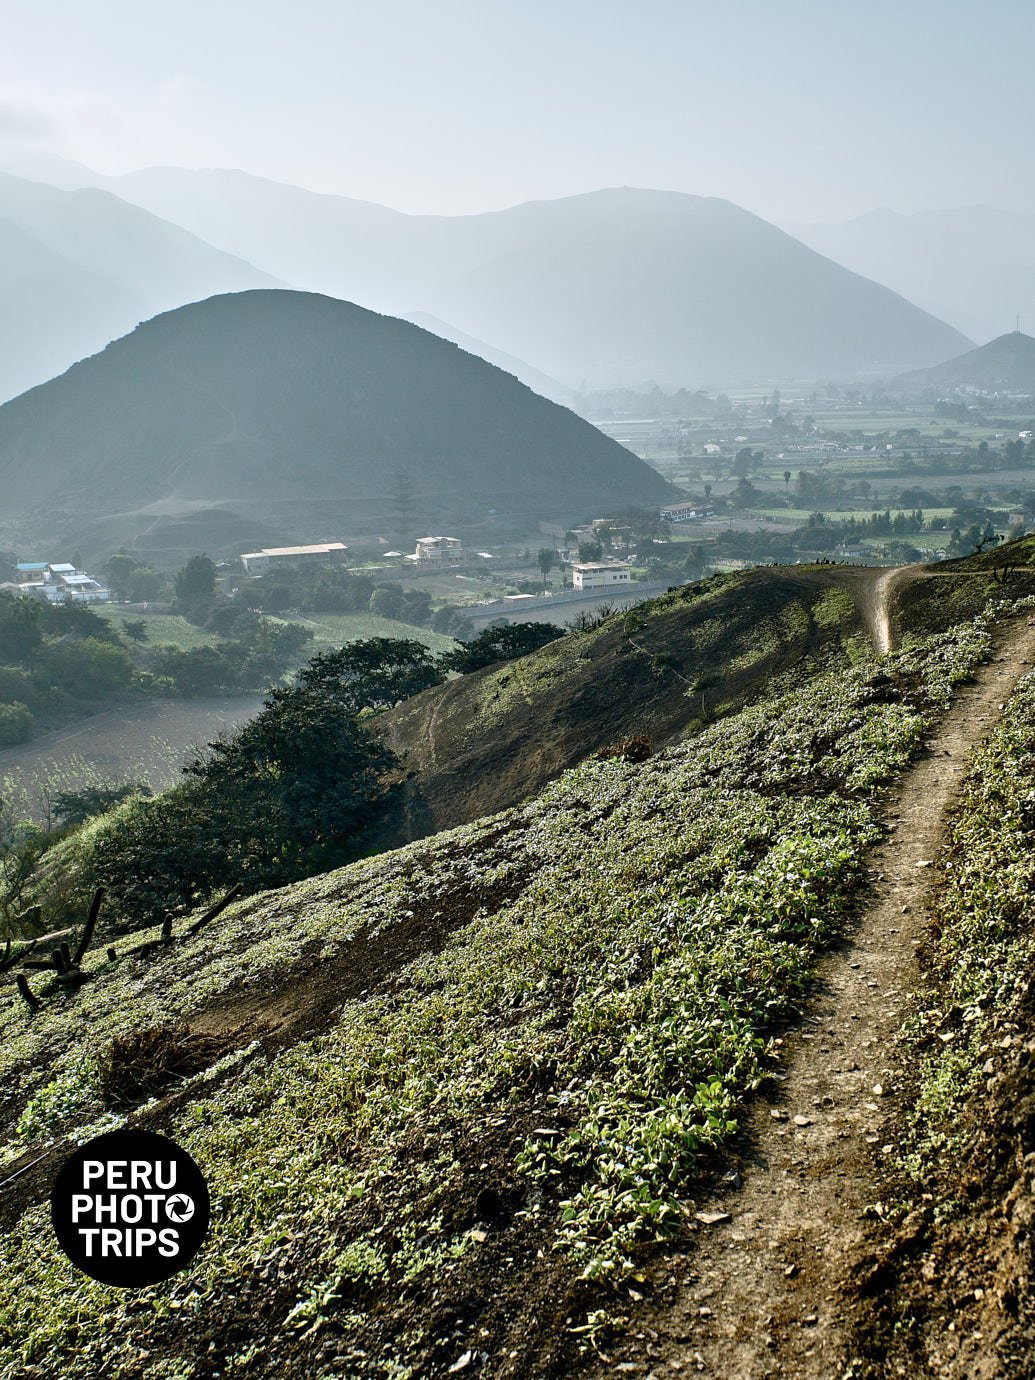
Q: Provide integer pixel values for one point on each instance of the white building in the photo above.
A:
(258, 562)
(600, 574)
(58, 582)
(679, 512)
(439, 551)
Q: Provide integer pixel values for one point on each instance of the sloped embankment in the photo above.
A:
(944, 1287)
(450, 1154)
(488, 740)
(771, 1288)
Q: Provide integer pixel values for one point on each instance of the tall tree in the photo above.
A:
(196, 580)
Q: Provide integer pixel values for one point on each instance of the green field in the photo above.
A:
(167, 629)
(335, 629)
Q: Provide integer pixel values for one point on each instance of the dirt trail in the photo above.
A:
(758, 1296)
(877, 609)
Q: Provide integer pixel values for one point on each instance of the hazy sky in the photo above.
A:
(797, 109)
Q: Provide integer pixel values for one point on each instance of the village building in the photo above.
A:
(600, 574)
(679, 512)
(439, 551)
(59, 582)
(270, 557)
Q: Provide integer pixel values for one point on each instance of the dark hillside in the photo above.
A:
(484, 742)
(296, 410)
(1004, 365)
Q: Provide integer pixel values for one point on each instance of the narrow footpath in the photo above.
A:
(757, 1295)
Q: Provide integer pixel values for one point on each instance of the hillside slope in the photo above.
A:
(299, 412)
(78, 268)
(455, 1103)
(609, 288)
(485, 741)
(1004, 365)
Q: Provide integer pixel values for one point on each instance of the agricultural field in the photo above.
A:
(146, 742)
(335, 629)
(505, 1060)
(168, 629)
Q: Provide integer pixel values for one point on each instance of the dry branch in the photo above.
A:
(91, 925)
(230, 896)
(22, 983)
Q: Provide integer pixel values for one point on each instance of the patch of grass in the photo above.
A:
(335, 629)
(164, 629)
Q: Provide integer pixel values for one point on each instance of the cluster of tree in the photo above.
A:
(974, 539)
(135, 581)
(290, 794)
(334, 589)
(653, 402)
(882, 525)
(53, 657)
(258, 652)
(293, 792)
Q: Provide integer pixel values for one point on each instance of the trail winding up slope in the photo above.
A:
(759, 1297)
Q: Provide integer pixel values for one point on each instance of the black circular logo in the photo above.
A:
(130, 1208)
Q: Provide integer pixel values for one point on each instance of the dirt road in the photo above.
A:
(757, 1297)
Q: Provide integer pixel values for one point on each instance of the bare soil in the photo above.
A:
(762, 1291)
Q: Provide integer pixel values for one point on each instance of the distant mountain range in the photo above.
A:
(285, 416)
(1004, 365)
(613, 288)
(610, 288)
(973, 266)
(79, 268)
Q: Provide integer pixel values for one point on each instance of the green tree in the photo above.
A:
(590, 551)
(387, 602)
(119, 571)
(500, 644)
(15, 724)
(547, 559)
(200, 671)
(374, 673)
(87, 668)
(196, 580)
(293, 792)
(20, 633)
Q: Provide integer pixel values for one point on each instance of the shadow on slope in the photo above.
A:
(484, 742)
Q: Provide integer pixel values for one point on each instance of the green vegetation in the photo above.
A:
(162, 629)
(15, 724)
(526, 1035)
(960, 1175)
(500, 644)
(983, 957)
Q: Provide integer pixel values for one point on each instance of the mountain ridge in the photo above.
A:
(290, 409)
(1006, 364)
(85, 267)
(614, 286)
